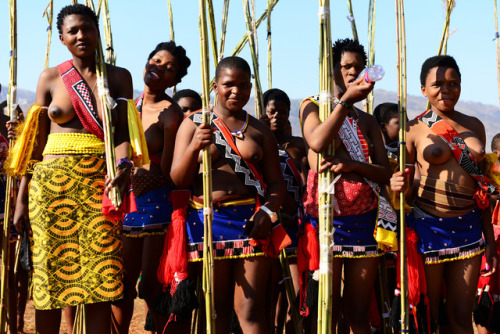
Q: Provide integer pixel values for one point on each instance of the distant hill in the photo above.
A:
(488, 114)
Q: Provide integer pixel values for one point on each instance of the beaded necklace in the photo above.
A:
(240, 133)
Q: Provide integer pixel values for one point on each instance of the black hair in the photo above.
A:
(276, 95)
(495, 142)
(232, 63)
(438, 61)
(178, 52)
(187, 93)
(347, 45)
(384, 112)
(76, 9)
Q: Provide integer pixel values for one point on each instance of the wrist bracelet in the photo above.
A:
(124, 163)
(344, 104)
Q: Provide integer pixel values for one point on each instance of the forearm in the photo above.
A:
(275, 195)
(487, 227)
(184, 171)
(375, 173)
(323, 135)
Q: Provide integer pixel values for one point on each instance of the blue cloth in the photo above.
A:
(446, 239)
(154, 213)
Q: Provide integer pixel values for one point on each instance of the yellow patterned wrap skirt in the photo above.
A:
(77, 251)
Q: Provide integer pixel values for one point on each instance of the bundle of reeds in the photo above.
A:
(108, 37)
(353, 21)
(49, 12)
(325, 200)
(252, 41)
(368, 104)
(401, 65)
(11, 100)
(213, 34)
(171, 21)
(208, 260)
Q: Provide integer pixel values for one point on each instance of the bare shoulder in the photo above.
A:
(117, 73)
(48, 75)
(259, 126)
(471, 122)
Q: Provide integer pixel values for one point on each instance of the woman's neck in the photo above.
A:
(85, 65)
(154, 96)
(226, 113)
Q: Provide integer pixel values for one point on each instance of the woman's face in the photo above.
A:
(79, 35)
(160, 71)
(442, 88)
(391, 128)
(233, 88)
(277, 112)
(350, 66)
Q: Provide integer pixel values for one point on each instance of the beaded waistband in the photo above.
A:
(73, 143)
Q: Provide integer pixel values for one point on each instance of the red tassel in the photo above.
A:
(482, 198)
(128, 206)
(173, 261)
(307, 260)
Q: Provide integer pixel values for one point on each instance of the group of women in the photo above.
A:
(82, 256)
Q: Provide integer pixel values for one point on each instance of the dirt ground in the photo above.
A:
(136, 327)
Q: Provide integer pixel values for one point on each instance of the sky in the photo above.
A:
(137, 26)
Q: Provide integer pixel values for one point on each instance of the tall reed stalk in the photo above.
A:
(11, 101)
(326, 213)
(108, 36)
(49, 12)
(368, 104)
(213, 33)
(208, 260)
(450, 4)
(172, 32)
(353, 21)
(290, 291)
(269, 51)
(497, 37)
(251, 31)
(223, 29)
(401, 65)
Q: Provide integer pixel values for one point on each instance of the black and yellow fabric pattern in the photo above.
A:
(76, 249)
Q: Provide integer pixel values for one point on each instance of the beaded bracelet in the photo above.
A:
(345, 105)
(124, 161)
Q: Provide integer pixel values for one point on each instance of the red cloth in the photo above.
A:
(128, 206)
(274, 243)
(307, 260)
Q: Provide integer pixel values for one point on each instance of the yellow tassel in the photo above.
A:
(20, 154)
(138, 144)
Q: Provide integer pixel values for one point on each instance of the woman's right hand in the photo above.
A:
(357, 91)
(400, 181)
(203, 137)
(21, 218)
(11, 132)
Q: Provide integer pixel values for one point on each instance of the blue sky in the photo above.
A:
(137, 27)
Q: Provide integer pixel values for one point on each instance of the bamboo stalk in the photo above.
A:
(79, 325)
(259, 104)
(368, 104)
(450, 4)
(49, 12)
(208, 261)
(223, 29)
(401, 46)
(11, 100)
(353, 21)
(497, 36)
(108, 36)
(326, 214)
(269, 51)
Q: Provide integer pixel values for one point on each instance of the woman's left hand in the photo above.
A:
(262, 225)
(491, 260)
(120, 180)
(337, 165)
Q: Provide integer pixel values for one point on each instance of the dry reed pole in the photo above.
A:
(353, 21)
(450, 4)
(326, 197)
(213, 34)
(497, 36)
(269, 51)
(74, 2)
(259, 105)
(108, 37)
(11, 100)
(223, 29)
(368, 103)
(401, 66)
(208, 260)
(171, 21)
(49, 12)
